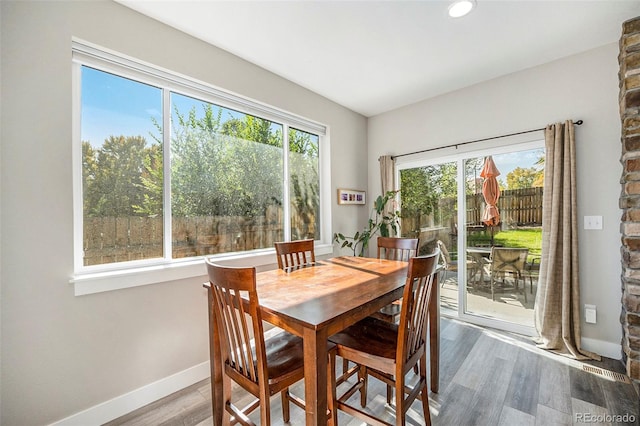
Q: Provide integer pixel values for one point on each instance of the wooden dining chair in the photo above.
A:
(262, 367)
(394, 248)
(295, 253)
(389, 351)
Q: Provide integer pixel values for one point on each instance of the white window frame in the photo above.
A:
(113, 276)
(458, 157)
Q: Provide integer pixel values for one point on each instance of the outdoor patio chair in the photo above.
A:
(449, 265)
(508, 260)
(532, 270)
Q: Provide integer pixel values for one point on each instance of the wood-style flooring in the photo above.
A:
(487, 377)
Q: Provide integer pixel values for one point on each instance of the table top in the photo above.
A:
(479, 250)
(330, 290)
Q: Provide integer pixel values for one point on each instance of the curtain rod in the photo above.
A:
(456, 145)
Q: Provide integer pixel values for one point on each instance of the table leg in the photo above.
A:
(434, 335)
(315, 376)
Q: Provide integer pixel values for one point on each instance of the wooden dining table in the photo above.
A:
(316, 301)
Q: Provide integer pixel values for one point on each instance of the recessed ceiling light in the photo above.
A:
(461, 7)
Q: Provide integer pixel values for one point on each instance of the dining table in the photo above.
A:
(316, 301)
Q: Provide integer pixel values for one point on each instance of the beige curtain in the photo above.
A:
(387, 176)
(387, 173)
(557, 307)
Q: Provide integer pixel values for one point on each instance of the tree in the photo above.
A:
(231, 167)
(153, 182)
(425, 188)
(112, 181)
(520, 178)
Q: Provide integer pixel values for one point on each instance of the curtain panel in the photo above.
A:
(557, 307)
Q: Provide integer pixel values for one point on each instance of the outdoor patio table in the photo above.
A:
(317, 301)
(480, 257)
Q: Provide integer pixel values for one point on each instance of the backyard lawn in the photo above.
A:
(530, 238)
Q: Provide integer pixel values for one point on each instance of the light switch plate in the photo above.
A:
(593, 222)
(590, 314)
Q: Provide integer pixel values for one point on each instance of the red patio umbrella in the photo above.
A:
(491, 193)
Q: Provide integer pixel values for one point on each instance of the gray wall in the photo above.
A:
(584, 87)
(62, 354)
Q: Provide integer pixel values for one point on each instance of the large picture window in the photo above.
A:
(169, 172)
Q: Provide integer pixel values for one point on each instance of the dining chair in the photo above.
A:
(392, 248)
(508, 260)
(295, 253)
(263, 367)
(395, 248)
(389, 351)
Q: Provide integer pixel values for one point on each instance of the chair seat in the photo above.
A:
(376, 337)
(284, 356)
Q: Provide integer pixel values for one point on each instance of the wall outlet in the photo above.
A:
(593, 222)
(590, 314)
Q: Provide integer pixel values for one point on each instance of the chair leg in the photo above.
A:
(345, 365)
(400, 402)
(493, 296)
(424, 392)
(364, 377)
(286, 412)
(331, 390)
(265, 409)
(424, 397)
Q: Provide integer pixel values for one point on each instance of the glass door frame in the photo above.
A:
(427, 159)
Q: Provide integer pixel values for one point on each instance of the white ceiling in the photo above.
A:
(375, 56)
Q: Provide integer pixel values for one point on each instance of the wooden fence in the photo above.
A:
(120, 239)
(518, 207)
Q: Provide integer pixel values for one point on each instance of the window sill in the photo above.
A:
(91, 283)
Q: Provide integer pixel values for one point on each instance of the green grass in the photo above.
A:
(530, 238)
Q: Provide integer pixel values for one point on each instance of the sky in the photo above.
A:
(507, 162)
(116, 106)
(112, 105)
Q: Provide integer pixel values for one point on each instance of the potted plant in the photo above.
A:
(380, 221)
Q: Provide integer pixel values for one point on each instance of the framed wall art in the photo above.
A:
(351, 196)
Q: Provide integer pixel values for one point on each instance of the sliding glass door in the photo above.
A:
(489, 265)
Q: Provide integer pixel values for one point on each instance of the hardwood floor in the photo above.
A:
(487, 377)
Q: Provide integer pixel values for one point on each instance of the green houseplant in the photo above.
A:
(380, 221)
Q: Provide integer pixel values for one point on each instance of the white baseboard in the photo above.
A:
(121, 405)
(607, 349)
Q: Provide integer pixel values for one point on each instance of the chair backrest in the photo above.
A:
(295, 253)
(237, 323)
(446, 257)
(507, 259)
(393, 248)
(412, 331)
